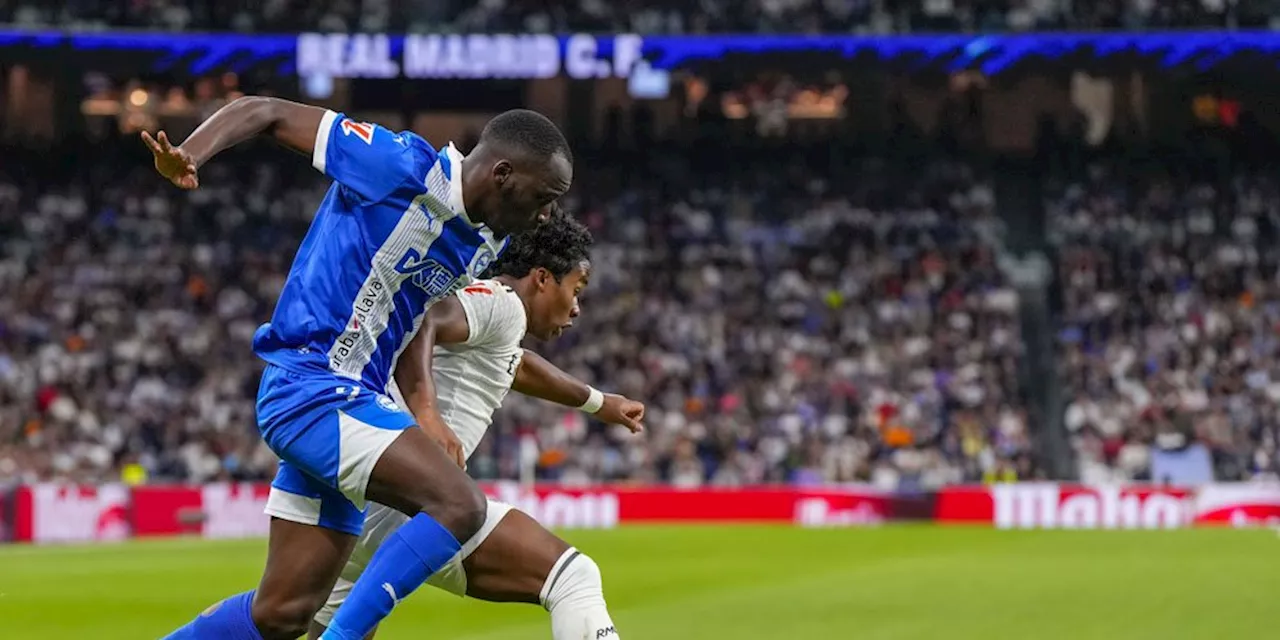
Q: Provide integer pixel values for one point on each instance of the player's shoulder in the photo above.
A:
(504, 315)
(492, 289)
(383, 137)
(416, 143)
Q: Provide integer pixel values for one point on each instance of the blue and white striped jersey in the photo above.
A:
(390, 239)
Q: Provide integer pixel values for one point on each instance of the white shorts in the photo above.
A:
(381, 522)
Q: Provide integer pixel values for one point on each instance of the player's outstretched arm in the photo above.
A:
(539, 378)
(445, 323)
(291, 124)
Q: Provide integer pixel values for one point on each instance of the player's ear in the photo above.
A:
(542, 277)
(502, 170)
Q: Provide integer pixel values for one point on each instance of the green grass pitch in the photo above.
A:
(741, 583)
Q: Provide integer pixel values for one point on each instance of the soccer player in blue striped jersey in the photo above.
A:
(403, 226)
(473, 338)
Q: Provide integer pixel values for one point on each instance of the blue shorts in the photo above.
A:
(329, 433)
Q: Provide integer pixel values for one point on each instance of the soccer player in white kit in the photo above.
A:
(473, 339)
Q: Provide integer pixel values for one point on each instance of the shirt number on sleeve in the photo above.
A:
(362, 130)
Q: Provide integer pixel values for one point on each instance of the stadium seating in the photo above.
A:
(767, 351)
(664, 16)
(1168, 333)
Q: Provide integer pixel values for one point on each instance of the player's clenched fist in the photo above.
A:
(622, 410)
(172, 162)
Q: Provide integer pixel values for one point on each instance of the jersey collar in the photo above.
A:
(456, 203)
(455, 183)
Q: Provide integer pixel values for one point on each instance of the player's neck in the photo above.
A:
(521, 286)
(472, 187)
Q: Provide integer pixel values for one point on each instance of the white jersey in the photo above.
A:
(472, 378)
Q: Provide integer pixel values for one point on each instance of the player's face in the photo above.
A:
(556, 303)
(527, 192)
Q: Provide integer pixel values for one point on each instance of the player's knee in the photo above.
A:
(463, 514)
(588, 574)
(575, 598)
(574, 580)
(284, 618)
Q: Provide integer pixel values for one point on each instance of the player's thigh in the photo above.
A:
(415, 474)
(513, 562)
(313, 530)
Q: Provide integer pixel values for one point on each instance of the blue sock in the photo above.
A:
(228, 620)
(419, 548)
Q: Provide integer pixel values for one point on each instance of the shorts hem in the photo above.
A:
(300, 509)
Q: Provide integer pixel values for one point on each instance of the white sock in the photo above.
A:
(574, 594)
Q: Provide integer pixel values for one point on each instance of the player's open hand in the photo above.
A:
(445, 437)
(453, 446)
(622, 410)
(172, 162)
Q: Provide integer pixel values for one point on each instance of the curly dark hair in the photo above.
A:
(557, 245)
(529, 131)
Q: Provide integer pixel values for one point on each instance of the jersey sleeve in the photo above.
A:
(366, 158)
(495, 316)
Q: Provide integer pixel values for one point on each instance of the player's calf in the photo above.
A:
(230, 618)
(574, 595)
(303, 562)
(521, 561)
(511, 563)
(512, 559)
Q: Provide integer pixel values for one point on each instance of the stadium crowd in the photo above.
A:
(651, 16)
(1170, 331)
(780, 329)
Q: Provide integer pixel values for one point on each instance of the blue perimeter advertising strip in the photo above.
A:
(596, 56)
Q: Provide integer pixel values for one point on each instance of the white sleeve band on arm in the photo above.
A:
(595, 400)
(320, 153)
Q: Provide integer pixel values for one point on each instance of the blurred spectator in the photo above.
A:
(632, 16)
(1171, 327)
(794, 337)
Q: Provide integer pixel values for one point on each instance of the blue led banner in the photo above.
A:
(594, 56)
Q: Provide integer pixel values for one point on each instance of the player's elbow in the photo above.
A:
(263, 110)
